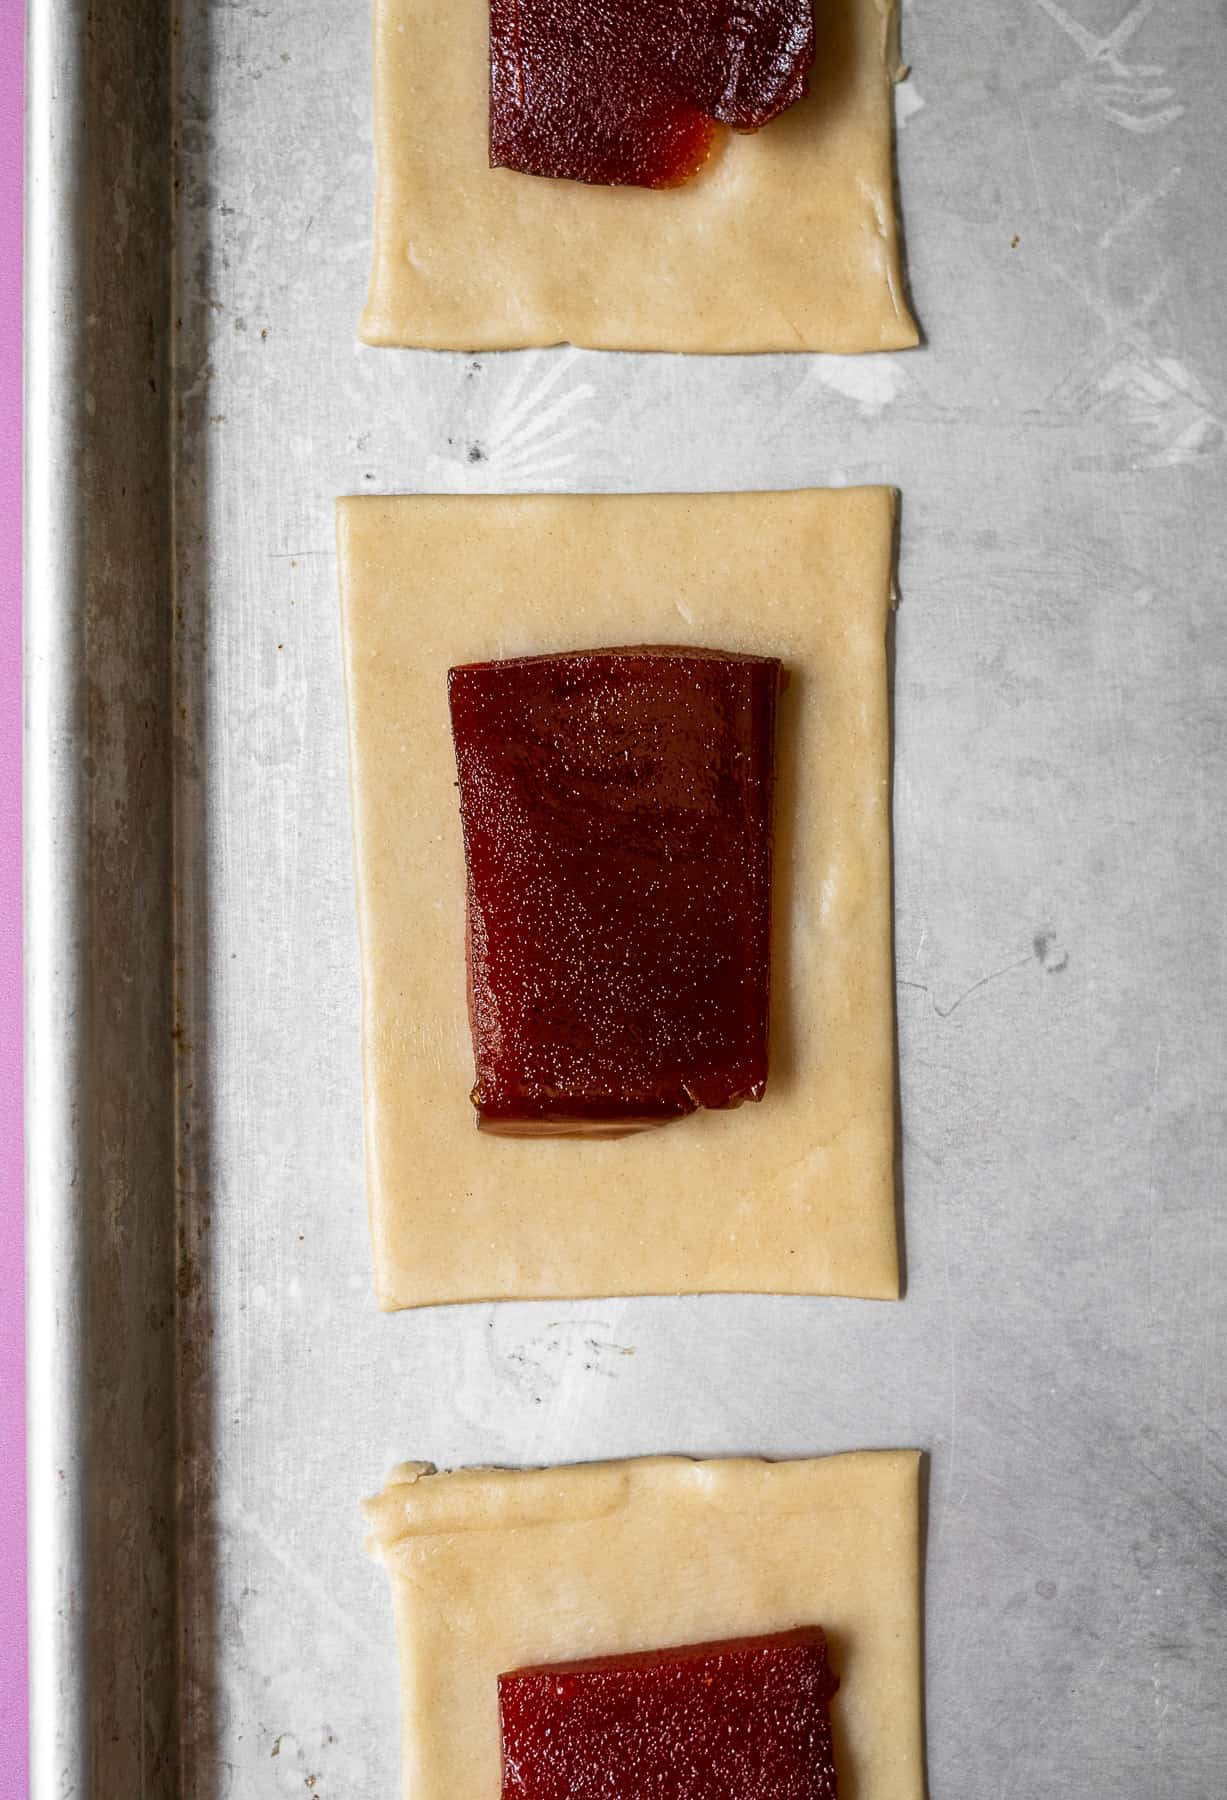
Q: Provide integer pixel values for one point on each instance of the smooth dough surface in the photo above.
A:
(791, 1195)
(786, 240)
(495, 1569)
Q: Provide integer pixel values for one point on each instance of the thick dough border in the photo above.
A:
(786, 240)
(794, 1195)
(493, 1569)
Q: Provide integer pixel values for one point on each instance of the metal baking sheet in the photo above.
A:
(211, 1387)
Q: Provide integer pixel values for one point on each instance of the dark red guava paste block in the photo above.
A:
(747, 1719)
(616, 807)
(622, 92)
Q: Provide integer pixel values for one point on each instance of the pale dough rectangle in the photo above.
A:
(792, 1195)
(786, 240)
(493, 1569)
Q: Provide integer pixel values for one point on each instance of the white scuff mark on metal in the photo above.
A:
(1163, 414)
(1131, 95)
(1139, 209)
(1162, 400)
(908, 102)
(239, 1516)
(1159, 412)
(536, 427)
(873, 382)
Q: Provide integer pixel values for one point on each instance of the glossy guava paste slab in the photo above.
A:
(616, 807)
(634, 91)
(741, 1719)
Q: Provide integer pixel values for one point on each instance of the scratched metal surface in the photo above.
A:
(1060, 764)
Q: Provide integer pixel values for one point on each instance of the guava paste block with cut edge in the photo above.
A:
(616, 807)
(746, 1719)
(630, 92)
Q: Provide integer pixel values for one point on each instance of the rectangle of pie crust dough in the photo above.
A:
(791, 1195)
(786, 240)
(493, 1570)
